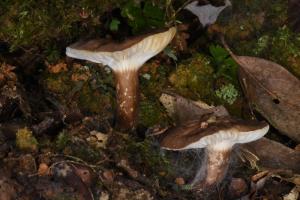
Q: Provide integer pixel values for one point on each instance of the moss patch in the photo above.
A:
(194, 78)
(25, 141)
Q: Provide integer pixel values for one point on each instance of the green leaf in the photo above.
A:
(218, 53)
(141, 18)
(153, 14)
(134, 15)
(114, 25)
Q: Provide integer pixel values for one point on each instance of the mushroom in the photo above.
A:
(218, 136)
(124, 59)
(207, 14)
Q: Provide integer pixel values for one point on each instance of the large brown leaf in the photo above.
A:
(273, 91)
(275, 155)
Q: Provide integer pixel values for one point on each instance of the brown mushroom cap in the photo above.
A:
(130, 54)
(221, 133)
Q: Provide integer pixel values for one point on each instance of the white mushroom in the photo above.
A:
(124, 59)
(218, 137)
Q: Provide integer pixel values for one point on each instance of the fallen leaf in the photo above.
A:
(207, 14)
(273, 91)
(182, 109)
(274, 155)
(57, 68)
(6, 73)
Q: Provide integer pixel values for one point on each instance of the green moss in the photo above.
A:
(92, 100)
(62, 140)
(85, 152)
(145, 155)
(44, 23)
(58, 83)
(88, 87)
(281, 46)
(153, 79)
(194, 78)
(25, 141)
(151, 113)
(262, 32)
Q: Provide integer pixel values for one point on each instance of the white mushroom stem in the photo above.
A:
(127, 86)
(214, 166)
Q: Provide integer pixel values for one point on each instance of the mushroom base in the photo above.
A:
(127, 99)
(213, 169)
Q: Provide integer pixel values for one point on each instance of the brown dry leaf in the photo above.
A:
(57, 68)
(273, 91)
(183, 109)
(274, 155)
(6, 73)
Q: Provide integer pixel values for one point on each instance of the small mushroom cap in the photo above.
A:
(220, 133)
(127, 55)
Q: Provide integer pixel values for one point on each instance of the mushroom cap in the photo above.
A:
(127, 55)
(207, 14)
(221, 133)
